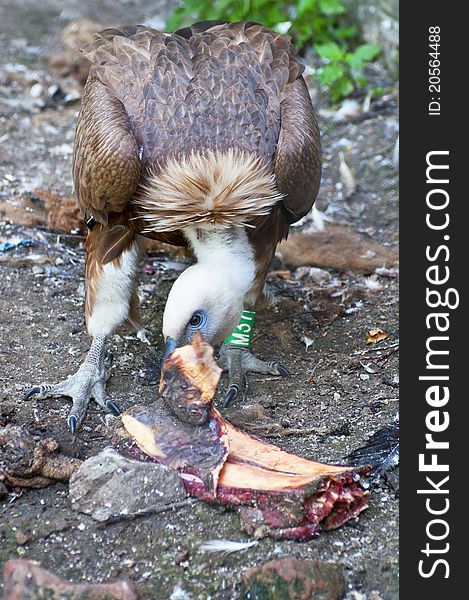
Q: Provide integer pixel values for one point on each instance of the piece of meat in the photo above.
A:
(27, 460)
(278, 493)
(189, 381)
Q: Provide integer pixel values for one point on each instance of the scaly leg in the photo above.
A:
(88, 382)
(110, 300)
(238, 362)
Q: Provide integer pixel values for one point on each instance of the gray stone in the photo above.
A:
(110, 485)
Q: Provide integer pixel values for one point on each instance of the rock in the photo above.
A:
(36, 90)
(101, 485)
(27, 580)
(293, 579)
(336, 247)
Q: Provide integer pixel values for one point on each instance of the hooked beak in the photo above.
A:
(169, 347)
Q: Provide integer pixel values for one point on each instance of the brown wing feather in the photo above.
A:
(113, 241)
(106, 166)
(298, 157)
(264, 239)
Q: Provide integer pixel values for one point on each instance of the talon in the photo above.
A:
(283, 371)
(230, 394)
(31, 392)
(114, 408)
(72, 423)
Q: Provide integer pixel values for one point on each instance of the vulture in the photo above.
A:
(206, 138)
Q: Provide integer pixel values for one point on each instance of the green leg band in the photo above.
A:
(243, 332)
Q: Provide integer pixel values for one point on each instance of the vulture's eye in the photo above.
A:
(197, 320)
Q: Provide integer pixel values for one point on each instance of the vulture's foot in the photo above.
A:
(88, 382)
(238, 362)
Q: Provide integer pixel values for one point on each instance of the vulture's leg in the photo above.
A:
(235, 355)
(239, 362)
(88, 382)
(110, 301)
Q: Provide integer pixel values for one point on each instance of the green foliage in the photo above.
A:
(310, 23)
(344, 69)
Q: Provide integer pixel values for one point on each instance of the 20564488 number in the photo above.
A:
(434, 62)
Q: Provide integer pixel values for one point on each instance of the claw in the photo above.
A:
(72, 423)
(31, 392)
(114, 408)
(230, 394)
(283, 371)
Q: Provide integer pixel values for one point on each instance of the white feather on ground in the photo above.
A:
(349, 110)
(225, 546)
(346, 176)
(316, 221)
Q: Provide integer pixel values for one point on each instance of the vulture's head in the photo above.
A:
(204, 299)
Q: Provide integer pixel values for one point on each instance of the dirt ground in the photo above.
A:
(316, 329)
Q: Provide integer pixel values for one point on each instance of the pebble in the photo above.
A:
(37, 90)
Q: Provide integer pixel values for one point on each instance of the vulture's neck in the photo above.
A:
(227, 253)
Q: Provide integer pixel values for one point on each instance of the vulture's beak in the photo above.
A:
(169, 347)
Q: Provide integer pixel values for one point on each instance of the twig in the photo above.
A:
(395, 345)
(375, 349)
(387, 356)
(156, 510)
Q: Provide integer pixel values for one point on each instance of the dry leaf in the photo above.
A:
(376, 335)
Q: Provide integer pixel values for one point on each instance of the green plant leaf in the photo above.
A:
(331, 73)
(341, 88)
(304, 6)
(331, 7)
(360, 79)
(344, 33)
(355, 62)
(367, 52)
(330, 51)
